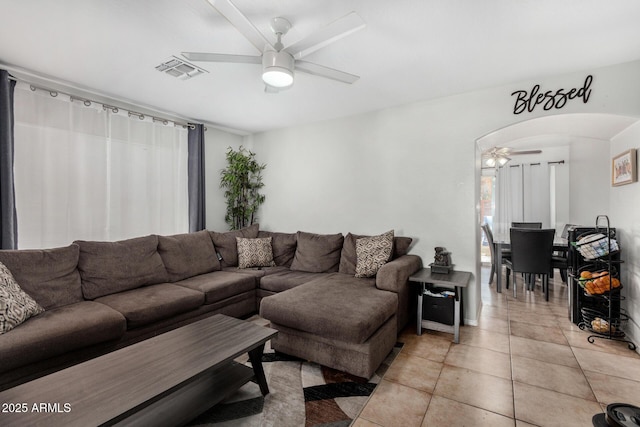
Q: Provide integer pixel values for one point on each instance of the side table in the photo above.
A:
(455, 280)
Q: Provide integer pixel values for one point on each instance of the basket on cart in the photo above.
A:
(592, 246)
(595, 319)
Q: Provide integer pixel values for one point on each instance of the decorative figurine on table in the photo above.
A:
(442, 261)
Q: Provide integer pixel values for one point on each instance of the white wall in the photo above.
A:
(589, 180)
(409, 168)
(216, 144)
(625, 216)
(413, 168)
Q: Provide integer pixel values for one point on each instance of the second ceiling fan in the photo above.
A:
(499, 156)
(279, 62)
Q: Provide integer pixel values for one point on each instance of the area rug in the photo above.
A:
(301, 394)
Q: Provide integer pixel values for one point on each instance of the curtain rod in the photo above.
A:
(114, 109)
(558, 162)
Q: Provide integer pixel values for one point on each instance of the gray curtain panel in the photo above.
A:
(9, 226)
(196, 175)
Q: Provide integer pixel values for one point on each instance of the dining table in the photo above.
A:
(502, 241)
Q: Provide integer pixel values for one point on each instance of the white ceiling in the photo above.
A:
(410, 50)
(556, 130)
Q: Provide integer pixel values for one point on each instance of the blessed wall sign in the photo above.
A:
(529, 100)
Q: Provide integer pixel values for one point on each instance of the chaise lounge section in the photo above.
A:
(339, 320)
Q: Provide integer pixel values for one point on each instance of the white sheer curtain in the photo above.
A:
(523, 194)
(88, 173)
(537, 194)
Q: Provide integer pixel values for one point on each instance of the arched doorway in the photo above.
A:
(583, 135)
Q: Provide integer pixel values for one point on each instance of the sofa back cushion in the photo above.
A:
(111, 267)
(49, 276)
(348, 257)
(401, 246)
(226, 245)
(283, 245)
(317, 253)
(187, 255)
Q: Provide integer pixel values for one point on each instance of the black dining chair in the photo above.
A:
(537, 225)
(506, 253)
(565, 230)
(531, 252)
(560, 259)
(561, 263)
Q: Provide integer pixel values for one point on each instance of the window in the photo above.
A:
(87, 172)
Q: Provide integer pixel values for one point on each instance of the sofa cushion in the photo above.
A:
(336, 306)
(401, 246)
(15, 305)
(142, 306)
(283, 245)
(187, 255)
(255, 252)
(112, 267)
(317, 253)
(49, 276)
(60, 330)
(226, 245)
(348, 256)
(287, 279)
(372, 253)
(220, 285)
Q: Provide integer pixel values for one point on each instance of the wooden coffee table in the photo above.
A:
(163, 381)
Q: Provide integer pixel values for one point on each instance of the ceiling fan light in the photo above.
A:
(502, 161)
(277, 68)
(491, 162)
(277, 77)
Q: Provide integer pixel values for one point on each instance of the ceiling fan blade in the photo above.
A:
(513, 153)
(322, 71)
(326, 35)
(241, 22)
(222, 57)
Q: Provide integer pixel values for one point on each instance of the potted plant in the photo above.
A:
(241, 180)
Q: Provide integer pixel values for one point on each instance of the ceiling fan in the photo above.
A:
(279, 62)
(499, 156)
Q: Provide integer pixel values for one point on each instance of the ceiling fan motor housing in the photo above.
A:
(277, 68)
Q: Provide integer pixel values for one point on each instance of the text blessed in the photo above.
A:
(528, 101)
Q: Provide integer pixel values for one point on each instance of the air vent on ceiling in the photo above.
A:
(179, 68)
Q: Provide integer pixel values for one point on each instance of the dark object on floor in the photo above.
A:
(618, 415)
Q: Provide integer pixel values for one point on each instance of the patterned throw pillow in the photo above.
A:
(255, 252)
(15, 305)
(372, 253)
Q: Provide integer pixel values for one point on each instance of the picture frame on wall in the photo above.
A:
(623, 168)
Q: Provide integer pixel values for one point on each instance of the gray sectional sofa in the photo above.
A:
(101, 296)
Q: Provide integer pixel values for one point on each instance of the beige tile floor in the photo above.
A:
(525, 364)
